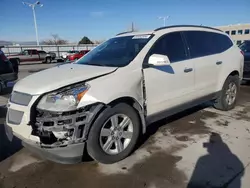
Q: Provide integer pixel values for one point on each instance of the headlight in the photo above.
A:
(64, 99)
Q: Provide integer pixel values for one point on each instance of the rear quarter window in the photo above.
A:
(203, 43)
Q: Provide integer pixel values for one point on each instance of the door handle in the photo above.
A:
(186, 70)
(218, 62)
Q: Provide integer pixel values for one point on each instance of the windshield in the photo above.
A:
(72, 52)
(245, 46)
(115, 52)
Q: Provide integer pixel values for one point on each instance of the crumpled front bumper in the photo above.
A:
(66, 155)
(57, 136)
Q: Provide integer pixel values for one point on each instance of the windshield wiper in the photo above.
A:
(95, 64)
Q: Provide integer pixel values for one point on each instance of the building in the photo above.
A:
(239, 32)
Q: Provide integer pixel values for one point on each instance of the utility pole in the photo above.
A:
(34, 15)
(132, 27)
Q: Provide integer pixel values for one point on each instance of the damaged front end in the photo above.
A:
(58, 120)
(59, 129)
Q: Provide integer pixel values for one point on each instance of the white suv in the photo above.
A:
(106, 99)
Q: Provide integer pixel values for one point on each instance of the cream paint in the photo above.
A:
(163, 90)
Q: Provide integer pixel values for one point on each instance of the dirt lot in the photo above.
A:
(201, 147)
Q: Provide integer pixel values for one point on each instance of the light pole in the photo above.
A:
(34, 15)
(164, 18)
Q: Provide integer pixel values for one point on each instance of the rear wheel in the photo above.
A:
(227, 98)
(114, 134)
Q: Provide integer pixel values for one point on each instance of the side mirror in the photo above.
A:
(158, 60)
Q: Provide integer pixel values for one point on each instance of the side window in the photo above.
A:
(34, 52)
(170, 45)
(222, 42)
(202, 43)
(247, 31)
(238, 42)
(25, 52)
(233, 32)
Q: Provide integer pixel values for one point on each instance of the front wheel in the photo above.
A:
(114, 134)
(48, 60)
(227, 98)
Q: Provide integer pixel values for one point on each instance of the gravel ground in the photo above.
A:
(200, 147)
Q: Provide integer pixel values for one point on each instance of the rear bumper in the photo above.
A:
(8, 77)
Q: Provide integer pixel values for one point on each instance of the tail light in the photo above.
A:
(242, 52)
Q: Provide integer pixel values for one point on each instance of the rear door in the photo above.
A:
(207, 61)
(172, 85)
(34, 55)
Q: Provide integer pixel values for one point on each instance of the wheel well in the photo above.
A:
(133, 103)
(234, 73)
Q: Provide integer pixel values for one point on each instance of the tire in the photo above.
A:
(95, 143)
(221, 102)
(1, 88)
(15, 66)
(48, 60)
(18, 61)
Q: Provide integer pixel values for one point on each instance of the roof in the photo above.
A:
(192, 26)
(167, 27)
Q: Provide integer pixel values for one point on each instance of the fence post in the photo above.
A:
(8, 50)
(58, 53)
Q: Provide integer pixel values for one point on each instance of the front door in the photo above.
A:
(172, 85)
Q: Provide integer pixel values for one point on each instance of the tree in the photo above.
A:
(55, 40)
(85, 40)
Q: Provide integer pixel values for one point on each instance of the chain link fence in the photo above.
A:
(58, 49)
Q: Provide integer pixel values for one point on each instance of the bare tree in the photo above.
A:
(55, 40)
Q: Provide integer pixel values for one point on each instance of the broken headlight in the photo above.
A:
(64, 99)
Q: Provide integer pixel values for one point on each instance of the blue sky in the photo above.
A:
(101, 19)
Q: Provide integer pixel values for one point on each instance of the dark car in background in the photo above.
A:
(8, 74)
(245, 47)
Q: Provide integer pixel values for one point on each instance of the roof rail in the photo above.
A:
(124, 32)
(198, 26)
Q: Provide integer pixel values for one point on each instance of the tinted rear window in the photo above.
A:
(202, 43)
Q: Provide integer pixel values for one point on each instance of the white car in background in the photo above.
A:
(105, 100)
(65, 54)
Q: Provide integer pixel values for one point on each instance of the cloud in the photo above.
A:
(97, 13)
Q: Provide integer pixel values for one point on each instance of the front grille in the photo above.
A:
(14, 116)
(20, 98)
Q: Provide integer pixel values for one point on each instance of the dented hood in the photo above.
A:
(58, 77)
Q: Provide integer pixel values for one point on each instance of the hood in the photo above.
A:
(58, 77)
